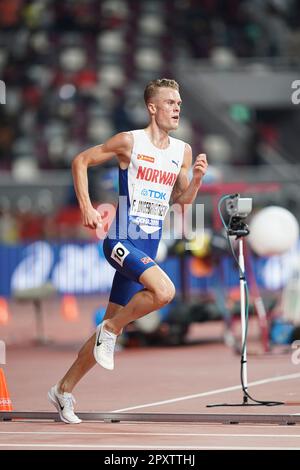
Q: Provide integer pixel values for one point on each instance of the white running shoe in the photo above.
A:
(63, 402)
(104, 347)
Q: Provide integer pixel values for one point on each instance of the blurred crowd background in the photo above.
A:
(75, 72)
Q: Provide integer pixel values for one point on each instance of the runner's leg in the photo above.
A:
(85, 359)
(158, 291)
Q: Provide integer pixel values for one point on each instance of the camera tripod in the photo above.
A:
(238, 228)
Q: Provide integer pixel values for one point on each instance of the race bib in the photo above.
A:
(148, 202)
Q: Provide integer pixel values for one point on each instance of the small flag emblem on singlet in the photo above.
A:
(146, 158)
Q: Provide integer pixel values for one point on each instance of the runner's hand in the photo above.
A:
(91, 218)
(200, 167)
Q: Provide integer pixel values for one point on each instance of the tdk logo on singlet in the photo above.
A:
(154, 194)
(156, 176)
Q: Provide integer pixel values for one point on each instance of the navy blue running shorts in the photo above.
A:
(130, 262)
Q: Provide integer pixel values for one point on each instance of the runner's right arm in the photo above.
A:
(120, 146)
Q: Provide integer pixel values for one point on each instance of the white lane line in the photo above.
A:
(146, 447)
(211, 392)
(179, 434)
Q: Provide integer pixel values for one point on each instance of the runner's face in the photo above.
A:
(167, 103)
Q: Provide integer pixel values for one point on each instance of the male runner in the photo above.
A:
(152, 167)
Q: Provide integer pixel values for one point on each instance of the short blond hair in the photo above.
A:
(152, 87)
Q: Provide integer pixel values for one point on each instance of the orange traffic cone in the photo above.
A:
(5, 401)
(69, 308)
(4, 314)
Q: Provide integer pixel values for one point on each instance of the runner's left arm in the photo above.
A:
(185, 191)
